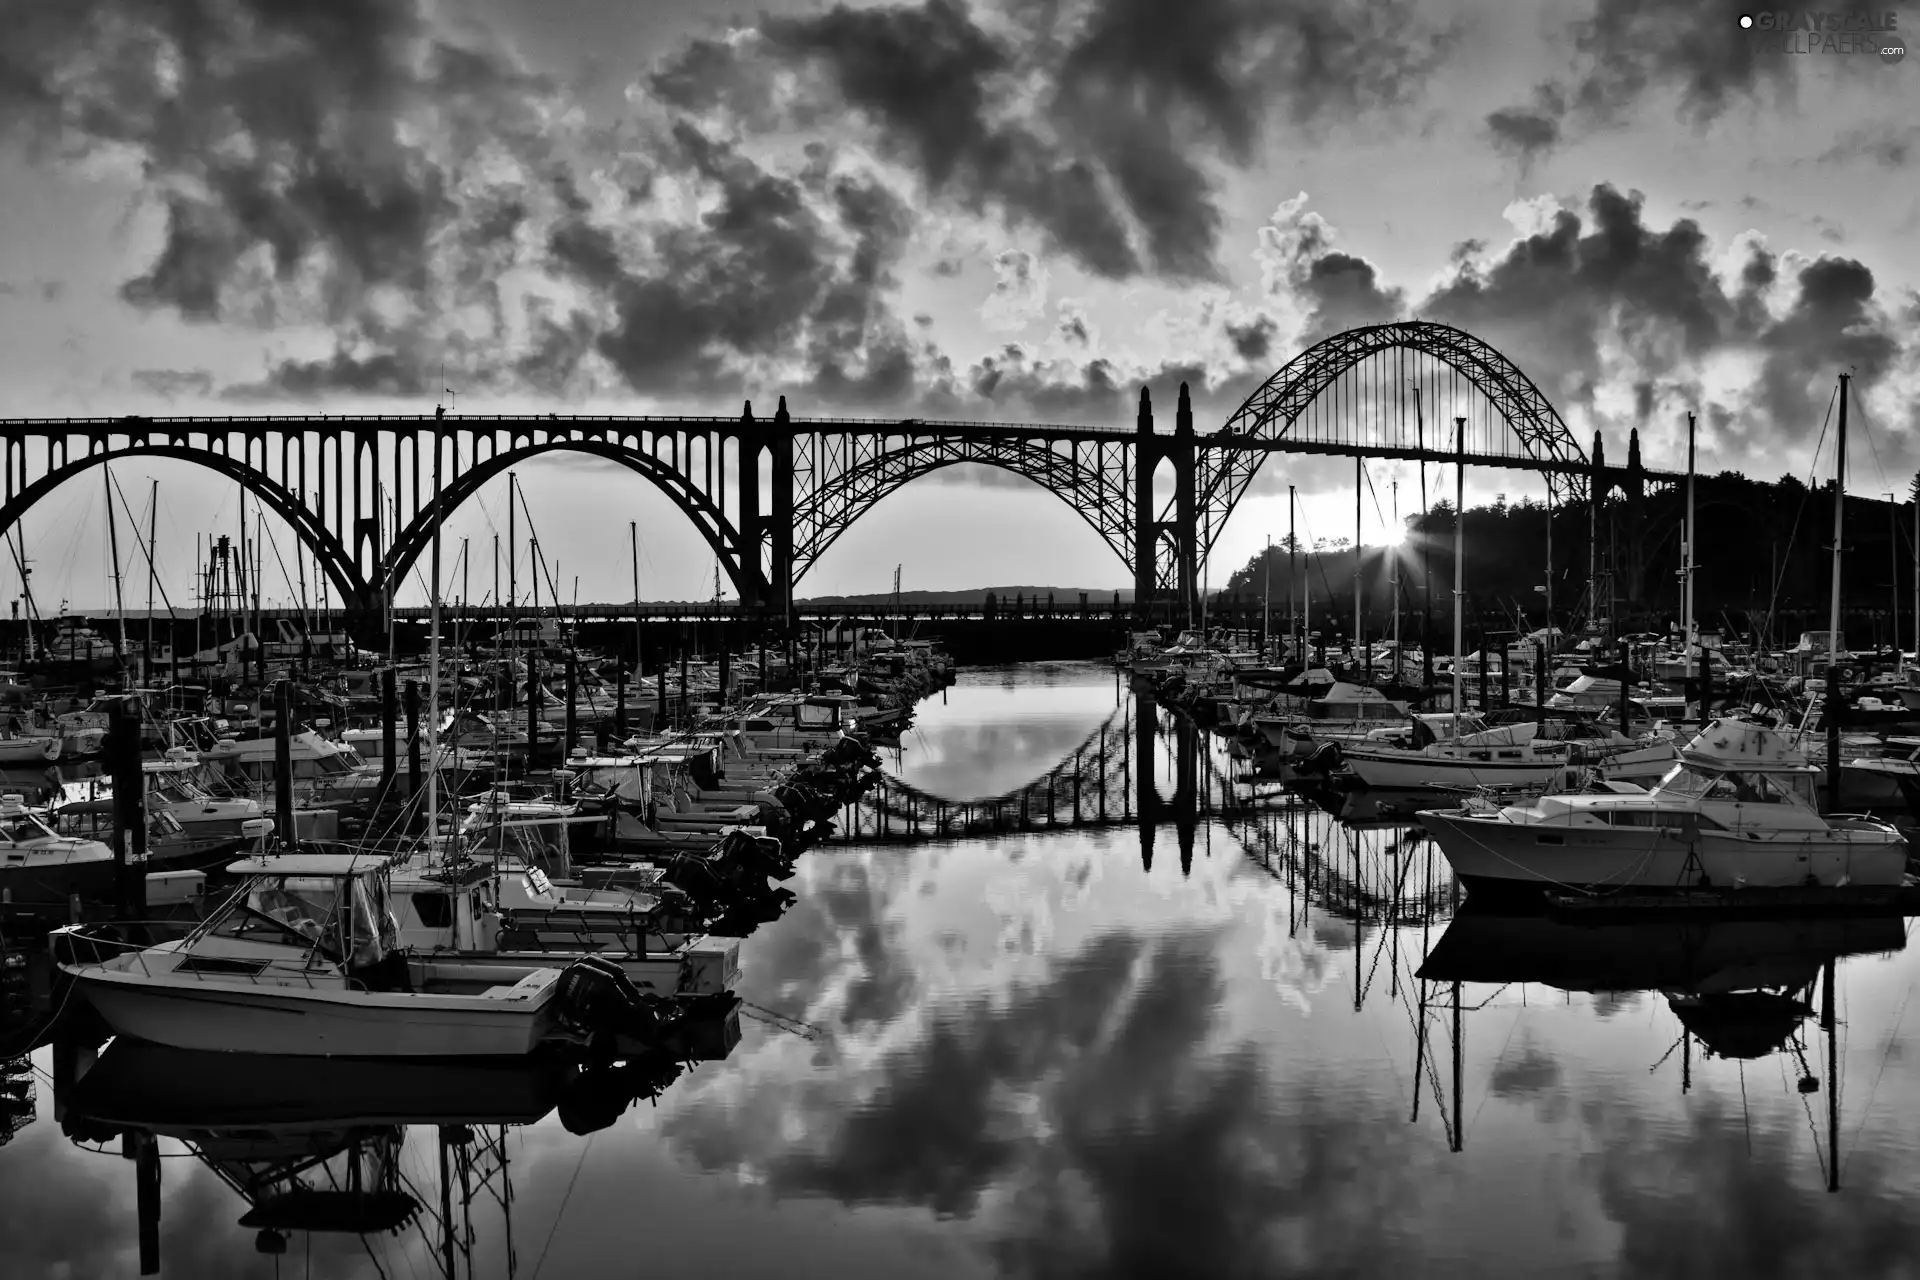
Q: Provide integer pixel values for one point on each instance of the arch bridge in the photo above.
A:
(771, 495)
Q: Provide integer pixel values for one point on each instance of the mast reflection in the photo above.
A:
(1742, 989)
(315, 1145)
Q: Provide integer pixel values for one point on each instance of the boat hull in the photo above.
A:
(45, 885)
(1409, 771)
(1492, 855)
(229, 1017)
(31, 750)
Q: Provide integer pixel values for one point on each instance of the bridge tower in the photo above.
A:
(779, 447)
(1146, 457)
(1636, 548)
(1151, 530)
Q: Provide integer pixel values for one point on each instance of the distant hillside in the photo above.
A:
(972, 595)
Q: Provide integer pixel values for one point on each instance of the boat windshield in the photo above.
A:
(22, 828)
(283, 909)
(1713, 784)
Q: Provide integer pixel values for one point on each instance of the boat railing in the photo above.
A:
(84, 947)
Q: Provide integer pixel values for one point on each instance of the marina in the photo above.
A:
(957, 640)
(1116, 933)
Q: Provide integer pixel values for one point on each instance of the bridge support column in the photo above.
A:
(1599, 606)
(1186, 512)
(1146, 456)
(753, 526)
(1636, 548)
(780, 519)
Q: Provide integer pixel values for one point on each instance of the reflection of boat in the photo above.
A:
(320, 1146)
(1741, 988)
(304, 960)
(181, 1092)
(1736, 813)
(1699, 956)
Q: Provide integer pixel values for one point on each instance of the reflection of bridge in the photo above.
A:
(1106, 781)
(1112, 779)
(770, 496)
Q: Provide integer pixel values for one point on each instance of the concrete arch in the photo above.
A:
(332, 555)
(1099, 495)
(698, 507)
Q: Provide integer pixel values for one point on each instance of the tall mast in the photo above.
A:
(1293, 577)
(1266, 595)
(1426, 549)
(513, 562)
(1395, 564)
(1686, 567)
(633, 535)
(1893, 553)
(1359, 484)
(1831, 706)
(153, 527)
(113, 544)
(1916, 577)
(433, 673)
(1549, 646)
(1460, 554)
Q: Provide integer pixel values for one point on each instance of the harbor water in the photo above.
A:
(1070, 996)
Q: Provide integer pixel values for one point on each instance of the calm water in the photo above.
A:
(1193, 1045)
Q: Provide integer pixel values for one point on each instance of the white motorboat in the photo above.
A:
(22, 742)
(38, 866)
(1737, 812)
(304, 961)
(324, 773)
(1459, 751)
(506, 913)
(1347, 713)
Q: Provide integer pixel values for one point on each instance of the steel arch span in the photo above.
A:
(1093, 477)
(334, 558)
(668, 474)
(1272, 412)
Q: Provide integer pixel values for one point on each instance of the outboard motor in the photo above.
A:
(596, 1000)
(598, 1097)
(1324, 760)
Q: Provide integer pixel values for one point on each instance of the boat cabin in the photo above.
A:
(1743, 763)
(318, 911)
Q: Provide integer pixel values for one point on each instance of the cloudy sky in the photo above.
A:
(1016, 209)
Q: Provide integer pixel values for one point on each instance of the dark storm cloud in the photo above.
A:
(271, 133)
(1528, 133)
(1107, 159)
(1626, 50)
(1587, 301)
(783, 266)
(171, 384)
(1889, 145)
(379, 374)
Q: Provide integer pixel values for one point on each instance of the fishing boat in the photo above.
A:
(38, 866)
(22, 743)
(304, 960)
(1737, 812)
(1347, 713)
(1458, 750)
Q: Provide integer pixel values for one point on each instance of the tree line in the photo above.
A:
(1762, 552)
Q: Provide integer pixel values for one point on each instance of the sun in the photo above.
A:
(1394, 536)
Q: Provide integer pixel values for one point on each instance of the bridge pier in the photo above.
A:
(1636, 548)
(1146, 456)
(1186, 514)
(779, 572)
